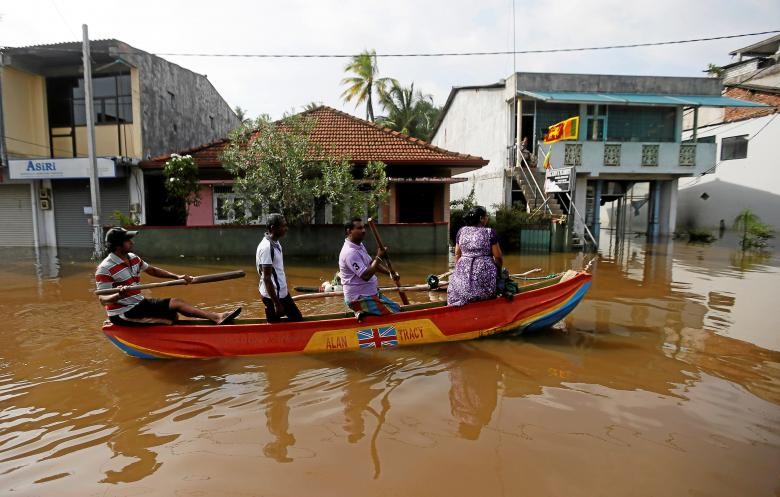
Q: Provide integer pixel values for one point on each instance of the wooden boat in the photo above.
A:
(537, 306)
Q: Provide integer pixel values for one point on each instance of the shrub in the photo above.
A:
(700, 235)
(508, 222)
(181, 179)
(755, 234)
(458, 213)
(122, 220)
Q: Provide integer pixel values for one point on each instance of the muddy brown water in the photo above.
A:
(664, 381)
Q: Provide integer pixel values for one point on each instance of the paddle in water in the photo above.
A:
(381, 246)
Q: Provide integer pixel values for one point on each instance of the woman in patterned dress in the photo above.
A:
(478, 261)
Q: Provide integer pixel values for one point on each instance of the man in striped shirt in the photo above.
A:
(122, 270)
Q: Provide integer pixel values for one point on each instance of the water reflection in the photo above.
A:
(277, 413)
(473, 390)
(656, 371)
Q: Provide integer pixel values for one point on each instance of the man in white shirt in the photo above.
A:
(270, 267)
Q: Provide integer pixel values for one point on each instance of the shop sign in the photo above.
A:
(558, 180)
(59, 168)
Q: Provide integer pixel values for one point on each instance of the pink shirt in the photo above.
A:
(353, 261)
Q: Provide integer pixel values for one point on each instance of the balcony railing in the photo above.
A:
(634, 157)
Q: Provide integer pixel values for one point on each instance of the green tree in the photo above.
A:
(276, 165)
(409, 112)
(241, 114)
(715, 71)
(312, 105)
(181, 179)
(364, 81)
(754, 233)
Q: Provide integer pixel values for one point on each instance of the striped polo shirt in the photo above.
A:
(114, 272)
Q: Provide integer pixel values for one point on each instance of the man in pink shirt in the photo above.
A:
(358, 274)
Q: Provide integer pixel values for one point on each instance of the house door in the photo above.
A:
(415, 203)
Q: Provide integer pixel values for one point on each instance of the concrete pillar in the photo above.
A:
(580, 200)
(137, 195)
(43, 220)
(393, 204)
(446, 203)
(653, 211)
(596, 221)
(668, 207)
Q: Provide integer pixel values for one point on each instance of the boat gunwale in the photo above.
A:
(346, 318)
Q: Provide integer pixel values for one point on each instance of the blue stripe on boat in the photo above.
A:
(131, 351)
(557, 315)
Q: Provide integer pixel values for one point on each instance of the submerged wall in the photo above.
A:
(310, 241)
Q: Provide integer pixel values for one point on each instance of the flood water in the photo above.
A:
(664, 381)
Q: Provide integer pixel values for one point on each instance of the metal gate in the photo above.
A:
(16, 227)
(534, 238)
(70, 199)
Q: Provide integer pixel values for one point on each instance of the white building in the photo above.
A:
(630, 131)
(747, 175)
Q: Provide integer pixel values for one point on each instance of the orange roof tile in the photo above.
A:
(347, 136)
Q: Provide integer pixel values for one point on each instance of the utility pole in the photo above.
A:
(94, 185)
(3, 149)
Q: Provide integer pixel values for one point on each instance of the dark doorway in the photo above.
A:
(527, 131)
(161, 210)
(415, 203)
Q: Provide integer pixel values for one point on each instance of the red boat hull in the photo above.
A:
(533, 309)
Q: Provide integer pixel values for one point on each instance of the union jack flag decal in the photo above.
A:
(384, 336)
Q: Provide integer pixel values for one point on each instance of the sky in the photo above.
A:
(276, 86)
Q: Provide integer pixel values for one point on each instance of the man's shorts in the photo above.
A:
(375, 304)
(147, 311)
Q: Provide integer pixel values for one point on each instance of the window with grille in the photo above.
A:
(633, 123)
(225, 210)
(734, 147)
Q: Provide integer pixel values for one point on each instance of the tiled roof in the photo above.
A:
(347, 136)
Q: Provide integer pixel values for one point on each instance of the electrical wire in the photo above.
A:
(430, 54)
(39, 145)
(762, 127)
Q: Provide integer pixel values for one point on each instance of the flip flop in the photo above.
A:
(230, 317)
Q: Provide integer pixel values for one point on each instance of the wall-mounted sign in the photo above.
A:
(558, 180)
(59, 168)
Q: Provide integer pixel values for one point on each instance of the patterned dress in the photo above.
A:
(475, 273)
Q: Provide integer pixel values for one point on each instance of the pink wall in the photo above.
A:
(203, 214)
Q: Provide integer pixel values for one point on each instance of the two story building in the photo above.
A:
(746, 176)
(144, 106)
(630, 132)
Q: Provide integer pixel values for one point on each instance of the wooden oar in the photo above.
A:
(530, 271)
(381, 246)
(206, 278)
(412, 288)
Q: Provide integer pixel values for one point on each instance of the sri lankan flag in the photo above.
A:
(564, 130)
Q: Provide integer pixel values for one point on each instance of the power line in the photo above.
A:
(431, 54)
(39, 145)
(456, 54)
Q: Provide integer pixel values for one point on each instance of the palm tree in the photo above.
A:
(312, 105)
(364, 82)
(754, 232)
(409, 112)
(241, 114)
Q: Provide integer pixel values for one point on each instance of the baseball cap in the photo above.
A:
(117, 236)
